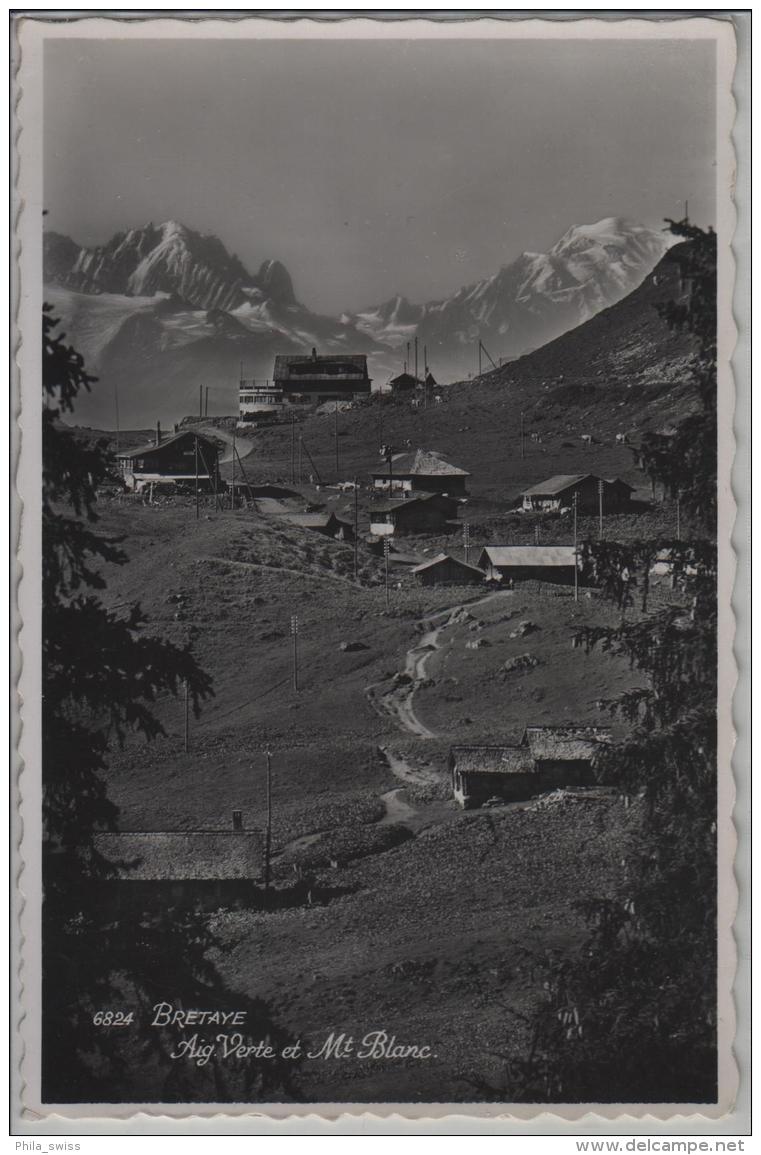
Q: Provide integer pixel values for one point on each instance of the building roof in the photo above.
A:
(309, 520)
(528, 555)
(493, 760)
(292, 367)
(408, 380)
(418, 499)
(161, 855)
(567, 743)
(423, 462)
(446, 557)
(617, 481)
(151, 447)
(563, 481)
(559, 484)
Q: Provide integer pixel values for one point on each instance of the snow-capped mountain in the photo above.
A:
(165, 258)
(161, 309)
(528, 302)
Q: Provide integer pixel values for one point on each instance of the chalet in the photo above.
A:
(483, 772)
(408, 382)
(325, 523)
(421, 470)
(547, 757)
(426, 513)
(181, 458)
(405, 383)
(336, 377)
(548, 563)
(564, 755)
(447, 570)
(556, 494)
(195, 867)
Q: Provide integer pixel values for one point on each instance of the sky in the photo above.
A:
(381, 167)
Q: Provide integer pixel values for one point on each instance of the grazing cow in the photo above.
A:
(621, 439)
(586, 438)
(535, 437)
(438, 399)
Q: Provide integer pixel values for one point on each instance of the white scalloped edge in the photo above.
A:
(196, 1119)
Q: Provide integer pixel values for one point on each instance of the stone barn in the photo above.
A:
(205, 868)
(564, 755)
(548, 757)
(483, 772)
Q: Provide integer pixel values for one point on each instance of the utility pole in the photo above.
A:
(356, 528)
(116, 408)
(479, 356)
(295, 636)
(386, 552)
(408, 362)
(466, 540)
(268, 827)
(187, 716)
(425, 376)
(600, 489)
(232, 481)
(293, 447)
(200, 400)
(416, 361)
(575, 547)
(198, 510)
(335, 435)
(206, 403)
(301, 457)
(679, 515)
(523, 437)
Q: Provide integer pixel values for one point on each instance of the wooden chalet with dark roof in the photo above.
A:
(317, 378)
(556, 494)
(424, 513)
(180, 458)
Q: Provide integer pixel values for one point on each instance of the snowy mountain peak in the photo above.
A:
(165, 258)
(530, 301)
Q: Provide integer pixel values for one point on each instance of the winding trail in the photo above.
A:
(398, 701)
(242, 444)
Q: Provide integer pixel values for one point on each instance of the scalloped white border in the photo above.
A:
(29, 1115)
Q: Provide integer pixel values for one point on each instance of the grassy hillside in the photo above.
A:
(423, 927)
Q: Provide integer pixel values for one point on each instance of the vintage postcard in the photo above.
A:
(375, 642)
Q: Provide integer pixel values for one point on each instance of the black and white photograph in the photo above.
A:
(382, 630)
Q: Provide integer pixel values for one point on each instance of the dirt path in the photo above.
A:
(242, 445)
(399, 700)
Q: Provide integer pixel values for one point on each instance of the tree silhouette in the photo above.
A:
(632, 1016)
(102, 675)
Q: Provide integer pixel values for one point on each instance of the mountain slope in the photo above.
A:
(528, 302)
(622, 372)
(160, 310)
